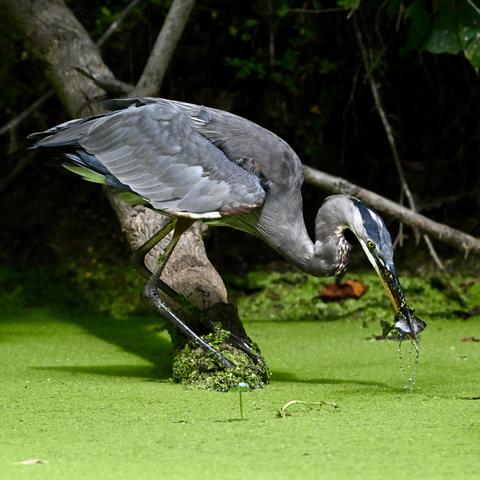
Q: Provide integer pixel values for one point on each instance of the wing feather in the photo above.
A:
(154, 150)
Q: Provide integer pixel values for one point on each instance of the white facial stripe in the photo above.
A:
(372, 260)
(369, 255)
(376, 219)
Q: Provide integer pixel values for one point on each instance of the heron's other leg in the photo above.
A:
(138, 259)
(155, 286)
(242, 345)
(138, 256)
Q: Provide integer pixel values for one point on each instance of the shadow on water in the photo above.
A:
(148, 372)
(135, 335)
(291, 377)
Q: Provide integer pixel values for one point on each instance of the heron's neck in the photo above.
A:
(283, 228)
(322, 258)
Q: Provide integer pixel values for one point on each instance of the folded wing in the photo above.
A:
(154, 151)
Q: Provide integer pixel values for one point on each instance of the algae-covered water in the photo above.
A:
(91, 395)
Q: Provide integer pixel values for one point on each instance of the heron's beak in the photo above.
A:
(406, 323)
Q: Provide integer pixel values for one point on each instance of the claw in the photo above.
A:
(242, 345)
(225, 362)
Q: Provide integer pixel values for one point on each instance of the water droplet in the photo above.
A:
(409, 371)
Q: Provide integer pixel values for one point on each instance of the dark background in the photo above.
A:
(295, 72)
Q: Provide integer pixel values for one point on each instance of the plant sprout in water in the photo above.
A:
(240, 388)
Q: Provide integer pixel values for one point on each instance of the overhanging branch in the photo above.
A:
(151, 79)
(439, 231)
(366, 58)
(110, 82)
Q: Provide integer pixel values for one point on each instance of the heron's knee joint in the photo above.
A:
(149, 291)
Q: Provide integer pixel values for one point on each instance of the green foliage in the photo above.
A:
(293, 297)
(349, 4)
(245, 68)
(96, 407)
(96, 286)
(240, 388)
(104, 19)
(448, 27)
(192, 366)
(291, 57)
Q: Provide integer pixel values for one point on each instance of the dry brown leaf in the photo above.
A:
(334, 292)
(32, 461)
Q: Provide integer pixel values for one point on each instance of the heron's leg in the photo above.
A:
(238, 341)
(155, 286)
(138, 259)
(138, 256)
(242, 345)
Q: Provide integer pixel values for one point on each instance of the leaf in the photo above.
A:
(283, 411)
(472, 53)
(334, 292)
(349, 4)
(240, 387)
(32, 461)
(450, 27)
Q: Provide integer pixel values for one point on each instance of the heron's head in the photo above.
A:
(354, 219)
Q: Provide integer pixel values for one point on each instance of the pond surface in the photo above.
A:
(91, 396)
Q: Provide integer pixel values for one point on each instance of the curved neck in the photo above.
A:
(282, 226)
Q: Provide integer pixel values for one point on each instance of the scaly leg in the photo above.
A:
(138, 260)
(242, 345)
(155, 286)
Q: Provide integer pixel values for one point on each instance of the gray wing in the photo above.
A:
(154, 150)
(245, 143)
(249, 145)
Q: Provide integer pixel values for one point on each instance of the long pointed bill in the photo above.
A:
(406, 323)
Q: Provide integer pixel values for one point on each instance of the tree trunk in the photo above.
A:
(60, 43)
(188, 271)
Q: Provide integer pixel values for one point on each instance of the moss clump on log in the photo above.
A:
(193, 367)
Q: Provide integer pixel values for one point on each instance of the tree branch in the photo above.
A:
(439, 231)
(17, 169)
(474, 6)
(389, 133)
(116, 23)
(151, 79)
(109, 84)
(27, 112)
(50, 93)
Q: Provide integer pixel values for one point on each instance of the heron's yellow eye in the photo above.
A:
(370, 244)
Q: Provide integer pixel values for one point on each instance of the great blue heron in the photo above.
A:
(192, 163)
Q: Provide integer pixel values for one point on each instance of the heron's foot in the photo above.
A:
(152, 294)
(242, 345)
(193, 367)
(224, 361)
(224, 317)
